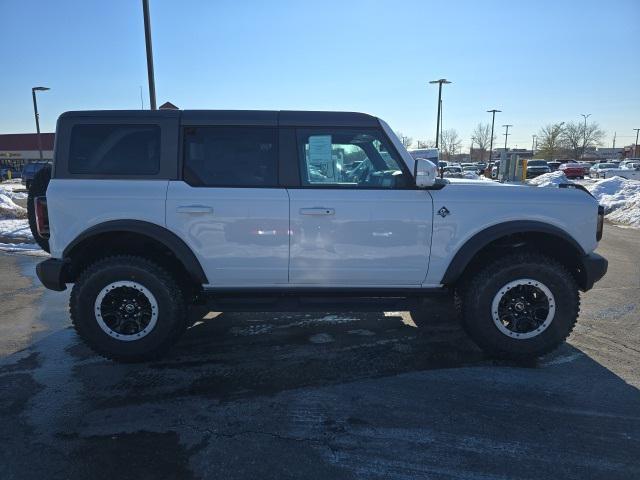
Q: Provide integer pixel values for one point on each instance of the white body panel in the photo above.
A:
(76, 205)
(475, 205)
(359, 237)
(239, 235)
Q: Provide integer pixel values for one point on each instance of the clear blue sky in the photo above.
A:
(539, 61)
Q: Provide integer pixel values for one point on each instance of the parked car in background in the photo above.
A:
(536, 168)
(29, 171)
(481, 167)
(471, 168)
(599, 168)
(553, 166)
(629, 172)
(572, 169)
(453, 171)
(586, 167)
(631, 163)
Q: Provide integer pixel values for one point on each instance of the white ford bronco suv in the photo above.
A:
(148, 213)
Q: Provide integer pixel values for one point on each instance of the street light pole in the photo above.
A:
(439, 82)
(584, 133)
(533, 144)
(147, 38)
(37, 115)
(506, 136)
(635, 150)
(493, 120)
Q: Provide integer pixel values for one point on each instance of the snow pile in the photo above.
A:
(620, 198)
(552, 179)
(8, 197)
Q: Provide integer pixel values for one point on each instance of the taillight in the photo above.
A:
(42, 216)
(600, 223)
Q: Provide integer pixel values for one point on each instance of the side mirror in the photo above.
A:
(424, 173)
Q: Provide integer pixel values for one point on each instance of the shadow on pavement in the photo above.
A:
(315, 396)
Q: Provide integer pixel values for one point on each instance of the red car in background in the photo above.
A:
(572, 170)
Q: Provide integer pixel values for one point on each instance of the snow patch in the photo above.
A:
(552, 179)
(620, 198)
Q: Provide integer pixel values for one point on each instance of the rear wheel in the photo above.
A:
(520, 306)
(127, 308)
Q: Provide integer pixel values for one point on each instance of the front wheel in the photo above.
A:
(127, 308)
(520, 306)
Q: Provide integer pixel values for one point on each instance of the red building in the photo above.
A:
(16, 149)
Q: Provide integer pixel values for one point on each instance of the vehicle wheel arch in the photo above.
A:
(516, 235)
(133, 237)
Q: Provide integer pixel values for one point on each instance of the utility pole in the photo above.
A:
(439, 82)
(635, 149)
(533, 144)
(147, 38)
(471, 149)
(506, 136)
(614, 140)
(493, 120)
(37, 115)
(584, 132)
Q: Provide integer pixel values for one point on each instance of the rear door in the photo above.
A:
(228, 206)
(356, 219)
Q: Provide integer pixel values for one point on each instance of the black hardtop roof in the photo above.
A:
(287, 118)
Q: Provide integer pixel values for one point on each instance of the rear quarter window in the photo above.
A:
(115, 150)
(241, 156)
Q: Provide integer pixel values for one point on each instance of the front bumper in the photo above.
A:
(594, 267)
(51, 273)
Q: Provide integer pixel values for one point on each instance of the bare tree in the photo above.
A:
(482, 138)
(550, 141)
(578, 137)
(450, 144)
(406, 141)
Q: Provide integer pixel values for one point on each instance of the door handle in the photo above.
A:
(195, 209)
(317, 211)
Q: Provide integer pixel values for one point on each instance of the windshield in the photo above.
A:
(536, 163)
(607, 165)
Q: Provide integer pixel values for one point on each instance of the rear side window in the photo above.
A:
(115, 149)
(230, 156)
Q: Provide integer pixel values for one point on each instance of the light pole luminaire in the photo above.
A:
(37, 115)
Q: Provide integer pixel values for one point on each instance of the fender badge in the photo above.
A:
(443, 212)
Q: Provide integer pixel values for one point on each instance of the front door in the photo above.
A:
(356, 220)
(228, 207)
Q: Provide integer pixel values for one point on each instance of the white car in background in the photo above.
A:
(599, 168)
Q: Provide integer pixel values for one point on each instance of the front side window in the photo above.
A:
(350, 158)
(231, 156)
(115, 149)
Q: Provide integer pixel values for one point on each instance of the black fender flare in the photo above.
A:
(468, 251)
(156, 232)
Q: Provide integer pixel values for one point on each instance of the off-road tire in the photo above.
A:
(475, 294)
(172, 311)
(38, 188)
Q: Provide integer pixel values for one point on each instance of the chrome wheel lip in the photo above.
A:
(119, 336)
(516, 283)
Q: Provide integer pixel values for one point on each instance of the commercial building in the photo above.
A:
(17, 149)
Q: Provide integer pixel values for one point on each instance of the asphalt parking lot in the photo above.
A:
(326, 396)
